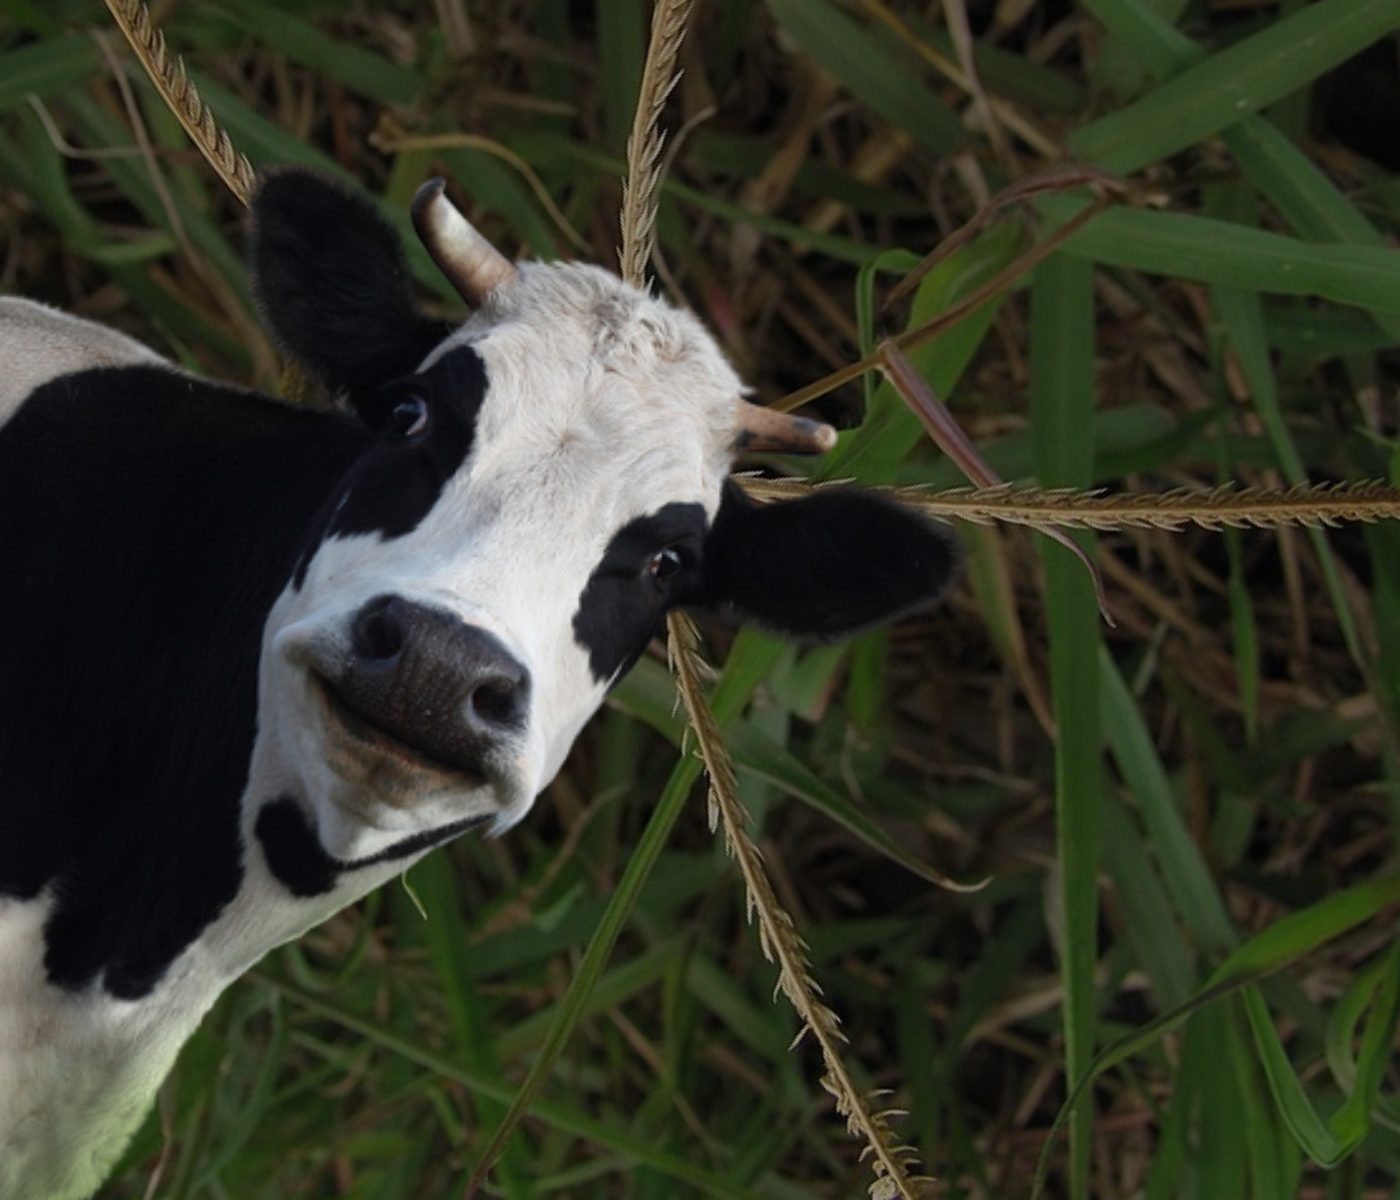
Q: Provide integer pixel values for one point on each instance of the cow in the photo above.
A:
(257, 658)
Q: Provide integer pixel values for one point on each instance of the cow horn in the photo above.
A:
(473, 265)
(765, 429)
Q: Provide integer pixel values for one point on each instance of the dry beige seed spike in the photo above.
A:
(641, 187)
(778, 937)
(1366, 501)
(167, 72)
(758, 428)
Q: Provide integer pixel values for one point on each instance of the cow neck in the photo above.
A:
(148, 521)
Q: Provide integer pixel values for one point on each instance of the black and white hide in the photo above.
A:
(256, 659)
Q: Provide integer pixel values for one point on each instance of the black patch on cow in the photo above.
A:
(297, 859)
(825, 566)
(148, 521)
(330, 276)
(393, 488)
(621, 606)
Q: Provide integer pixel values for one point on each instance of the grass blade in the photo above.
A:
(846, 49)
(1286, 940)
(1194, 895)
(747, 664)
(45, 68)
(1062, 401)
(1303, 194)
(1235, 82)
(1232, 255)
(360, 70)
(559, 1116)
(1328, 1142)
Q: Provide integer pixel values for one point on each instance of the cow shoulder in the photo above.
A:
(39, 343)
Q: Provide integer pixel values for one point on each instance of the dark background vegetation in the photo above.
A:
(1222, 758)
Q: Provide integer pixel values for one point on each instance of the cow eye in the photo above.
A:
(408, 417)
(665, 565)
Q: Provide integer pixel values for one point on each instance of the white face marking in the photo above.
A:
(602, 405)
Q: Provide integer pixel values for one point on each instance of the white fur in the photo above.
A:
(39, 343)
(79, 1070)
(603, 404)
(93, 1063)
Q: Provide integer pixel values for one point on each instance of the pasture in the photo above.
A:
(1187, 820)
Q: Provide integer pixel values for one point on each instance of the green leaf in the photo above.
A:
(1187, 876)
(101, 127)
(475, 1043)
(1235, 82)
(749, 661)
(1241, 315)
(1149, 925)
(1281, 943)
(46, 68)
(1272, 1158)
(648, 693)
(848, 51)
(1351, 1122)
(1307, 199)
(1290, 937)
(1328, 1142)
(262, 140)
(125, 254)
(1219, 1161)
(1062, 405)
(1232, 255)
(360, 70)
(889, 430)
(622, 38)
(608, 1136)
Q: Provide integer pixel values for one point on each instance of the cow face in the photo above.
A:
(537, 487)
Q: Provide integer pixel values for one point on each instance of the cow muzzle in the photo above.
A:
(421, 686)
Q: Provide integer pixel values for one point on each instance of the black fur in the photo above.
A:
(330, 276)
(392, 489)
(621, 606)
(823, 567)
(147, 522)
(297, 858)
(826, 566)
(396, 482)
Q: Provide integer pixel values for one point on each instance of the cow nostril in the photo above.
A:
(377, 634)
(496, 701)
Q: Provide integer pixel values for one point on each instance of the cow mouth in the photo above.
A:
(393, 744)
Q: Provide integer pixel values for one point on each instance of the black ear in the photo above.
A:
(330, 277)
(825, 566)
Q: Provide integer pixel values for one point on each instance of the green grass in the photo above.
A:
(1188, 820)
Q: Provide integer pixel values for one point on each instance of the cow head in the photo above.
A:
(540, 485)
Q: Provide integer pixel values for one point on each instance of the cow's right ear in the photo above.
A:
(331, 280)
(829, 565)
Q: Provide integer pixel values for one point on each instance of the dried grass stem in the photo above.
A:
(167, 72)
(1213, 508)
(778, 937)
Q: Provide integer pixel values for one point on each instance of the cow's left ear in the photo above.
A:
(827, 566)
(330, 277)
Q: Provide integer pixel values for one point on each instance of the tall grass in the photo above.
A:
(1182, 980)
